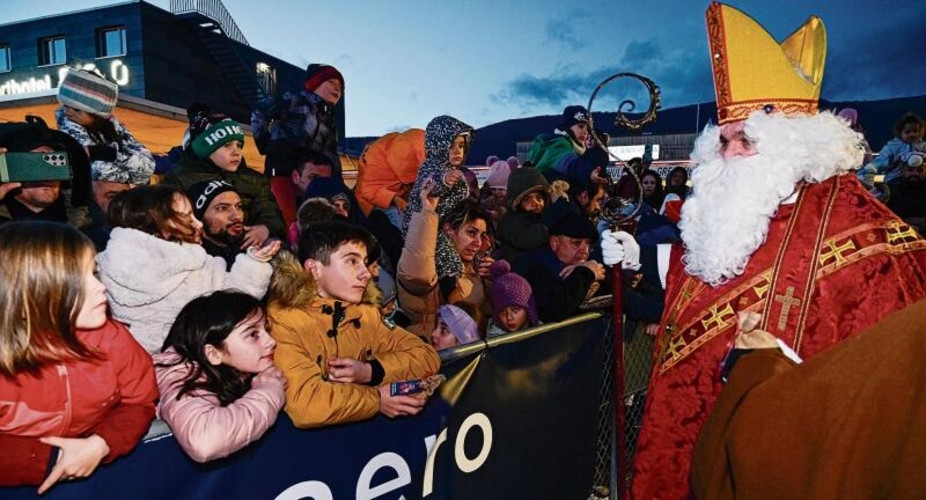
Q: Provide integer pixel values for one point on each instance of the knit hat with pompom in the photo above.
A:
(510, 289)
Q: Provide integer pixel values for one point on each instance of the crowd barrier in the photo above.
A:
(517, 418)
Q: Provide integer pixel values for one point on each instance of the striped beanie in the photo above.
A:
(85, 91)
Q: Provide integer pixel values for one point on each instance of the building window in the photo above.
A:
(110, 42)
(5, 63)
(52, 51)
(267, 78)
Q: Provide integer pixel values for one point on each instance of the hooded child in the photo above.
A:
(446, 142)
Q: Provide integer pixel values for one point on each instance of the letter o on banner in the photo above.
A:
(306, 490)
(466, 464)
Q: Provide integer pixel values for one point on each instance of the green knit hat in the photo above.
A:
(215, 136)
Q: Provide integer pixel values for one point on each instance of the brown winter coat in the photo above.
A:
(418, 290)
(849, 424)
(300, 321)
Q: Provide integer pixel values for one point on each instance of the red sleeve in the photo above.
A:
(24, 460)
(128, 421)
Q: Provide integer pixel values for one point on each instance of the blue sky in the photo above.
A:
(485, 61)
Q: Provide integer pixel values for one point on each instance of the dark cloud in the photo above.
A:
(683, 74)
(870, 56)
(884, 61)
(563, 30)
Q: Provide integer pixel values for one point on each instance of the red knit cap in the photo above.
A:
(317, 74)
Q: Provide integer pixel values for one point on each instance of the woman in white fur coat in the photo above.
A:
(154, 264)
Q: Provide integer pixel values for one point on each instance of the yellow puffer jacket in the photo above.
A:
(301, 321)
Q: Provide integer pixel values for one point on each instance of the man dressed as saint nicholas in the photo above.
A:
(777, 225)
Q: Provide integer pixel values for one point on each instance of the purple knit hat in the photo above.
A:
(461, 325)
(510, 289)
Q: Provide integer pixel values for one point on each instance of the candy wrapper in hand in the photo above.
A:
(420, 388)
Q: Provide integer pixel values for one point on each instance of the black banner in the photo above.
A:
(516, 419)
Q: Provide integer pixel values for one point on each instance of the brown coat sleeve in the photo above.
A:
(710, 469)
(417, 272)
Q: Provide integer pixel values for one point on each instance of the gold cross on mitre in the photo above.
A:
(754, 72)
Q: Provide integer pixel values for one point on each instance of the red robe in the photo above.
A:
(833, 264)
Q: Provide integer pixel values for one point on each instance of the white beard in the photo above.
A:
(727, 217)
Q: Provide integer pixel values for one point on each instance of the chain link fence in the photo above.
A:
(638, 348)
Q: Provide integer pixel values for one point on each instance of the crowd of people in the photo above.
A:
(216, 296)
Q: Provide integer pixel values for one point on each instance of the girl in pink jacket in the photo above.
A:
(219, 388)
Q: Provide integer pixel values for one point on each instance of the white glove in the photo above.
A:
(618, 246)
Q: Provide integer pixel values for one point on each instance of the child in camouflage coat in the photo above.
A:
(446, 142)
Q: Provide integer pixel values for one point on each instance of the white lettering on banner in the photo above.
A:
(314, 490)
(388, 459)
(432, 446)
(463, 462)
(317, 490)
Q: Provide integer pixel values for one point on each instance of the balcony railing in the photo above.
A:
(213, 9)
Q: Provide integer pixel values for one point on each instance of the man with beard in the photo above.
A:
(218, 206)
(775, 226)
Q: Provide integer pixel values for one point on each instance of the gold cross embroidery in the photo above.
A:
(675, 345)
(835, 252)
(894, 233)
(787, 301)
(718, 317)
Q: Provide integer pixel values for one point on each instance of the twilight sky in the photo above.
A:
(485, 61)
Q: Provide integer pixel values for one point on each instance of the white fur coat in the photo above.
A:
(149, 280)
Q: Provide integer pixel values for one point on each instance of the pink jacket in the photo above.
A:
(205, 429)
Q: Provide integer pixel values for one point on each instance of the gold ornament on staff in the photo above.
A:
(613, 208)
